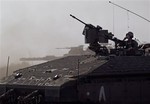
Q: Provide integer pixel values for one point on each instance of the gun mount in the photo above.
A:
(95, 35)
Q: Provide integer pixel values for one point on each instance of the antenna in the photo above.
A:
(78, 71)
(129, 11)
(113, 19)
(7, 67)
(78, 68)
(128, 25)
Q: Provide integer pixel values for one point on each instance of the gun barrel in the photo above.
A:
(77, 19)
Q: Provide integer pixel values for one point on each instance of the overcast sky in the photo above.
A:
(34, 28)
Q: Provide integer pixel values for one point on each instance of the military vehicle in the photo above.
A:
(111, 76)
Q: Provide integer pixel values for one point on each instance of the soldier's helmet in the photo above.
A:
(130, 34)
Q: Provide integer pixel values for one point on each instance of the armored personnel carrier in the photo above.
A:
(111, 76)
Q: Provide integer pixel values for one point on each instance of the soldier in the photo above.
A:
(98, 49)
(95, 46)
(130, 45)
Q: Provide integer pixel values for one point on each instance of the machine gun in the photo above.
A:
(94, 36)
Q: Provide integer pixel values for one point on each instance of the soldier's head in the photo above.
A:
(129, 35)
